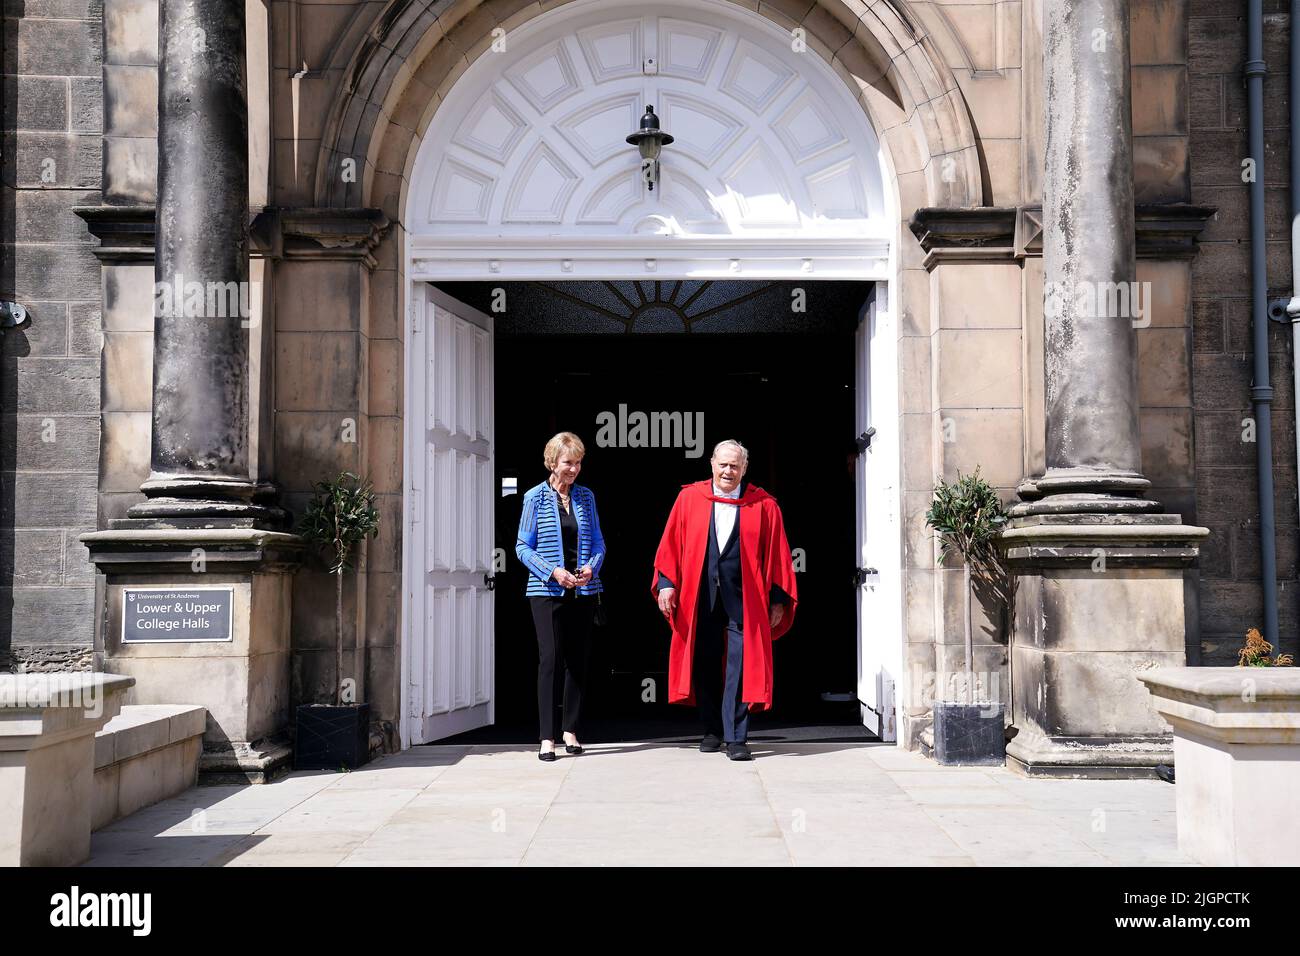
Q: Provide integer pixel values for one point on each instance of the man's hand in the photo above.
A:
(775, 613)
(564, 578)
(585, 574)
(667, 603)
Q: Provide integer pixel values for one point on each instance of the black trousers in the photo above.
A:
(563, 644)
(719, 675)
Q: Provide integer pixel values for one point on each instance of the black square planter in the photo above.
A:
(970, 735)
(331, 738)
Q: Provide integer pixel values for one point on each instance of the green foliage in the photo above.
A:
(967, 515)
(340, 515)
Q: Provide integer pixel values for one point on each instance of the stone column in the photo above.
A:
(1099, 570)
(199, 467)
(1089, 263)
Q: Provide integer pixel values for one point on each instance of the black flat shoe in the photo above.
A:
(571, 749)
(711, 744)
(547, 756)
(738, 752)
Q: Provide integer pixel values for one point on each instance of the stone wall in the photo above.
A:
(1227, 501)
(49, 378)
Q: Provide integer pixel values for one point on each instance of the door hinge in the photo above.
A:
(863, 441)
(490, 581)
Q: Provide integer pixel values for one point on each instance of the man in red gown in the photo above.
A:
(725, 583)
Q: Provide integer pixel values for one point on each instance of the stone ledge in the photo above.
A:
(165, 549)
(1007, 233)
(1239, 705)
(148, 753)
(141, 728)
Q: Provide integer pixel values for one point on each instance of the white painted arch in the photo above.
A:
(523, 174)
(775, 171)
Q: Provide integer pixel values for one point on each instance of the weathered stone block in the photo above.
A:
(130, 170)
(299, 359)
(1164, 367)
(54, 272)
(51, 501)
(131, 31)
(49, 386)
(1159, 100)
(84, 321)
(54, 443)
(128, 298)
(1161, 169)
(45, 215)
(128, 372)
(47, 334)
(50, 160)
(54, 47)
(35, 102)
(48, 616)
(131, 101)
(318, 296)
(32, 559)
(87, 105)
(1166, 435)
(978, 368)
(124, 450)
(1158, 32)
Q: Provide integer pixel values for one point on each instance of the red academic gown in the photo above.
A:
(764, 561)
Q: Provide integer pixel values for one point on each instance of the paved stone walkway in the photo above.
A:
(804, 804)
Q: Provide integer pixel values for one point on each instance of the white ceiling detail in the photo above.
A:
(546, 77)
(461, 194)
(806, 128)
(599, 130)
(757, 184)
(610, 200)
(755, 77)
(542, 188)
(492, 128)
(612, 49)
(703, 131)
(837, 191)
(687, 49)
(529, 144)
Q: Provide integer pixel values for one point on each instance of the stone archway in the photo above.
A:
(401, 70)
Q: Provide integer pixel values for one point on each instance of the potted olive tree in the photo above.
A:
(967, 516)
(340, 515)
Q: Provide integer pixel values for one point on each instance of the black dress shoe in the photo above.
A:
(548, 755)
(738, 752)
(571, 749)
(711, 744)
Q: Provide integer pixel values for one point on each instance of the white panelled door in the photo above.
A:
(879, 558)
(449, 640)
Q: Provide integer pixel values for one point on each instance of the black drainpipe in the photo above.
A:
(1262, 392)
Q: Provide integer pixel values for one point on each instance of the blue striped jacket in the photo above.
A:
(540, 548)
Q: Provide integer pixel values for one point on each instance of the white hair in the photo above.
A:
(744, 452)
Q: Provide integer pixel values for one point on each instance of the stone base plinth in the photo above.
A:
(1098, 602)
(244, 682)
(47, 763)
(1237, 747)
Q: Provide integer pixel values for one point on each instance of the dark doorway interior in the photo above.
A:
(788, 397)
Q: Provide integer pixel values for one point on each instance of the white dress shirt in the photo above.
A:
(724, 516)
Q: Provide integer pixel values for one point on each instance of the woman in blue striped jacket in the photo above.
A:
(561, 546)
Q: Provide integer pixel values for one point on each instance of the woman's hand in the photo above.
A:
(564, 578)
(585, 574)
